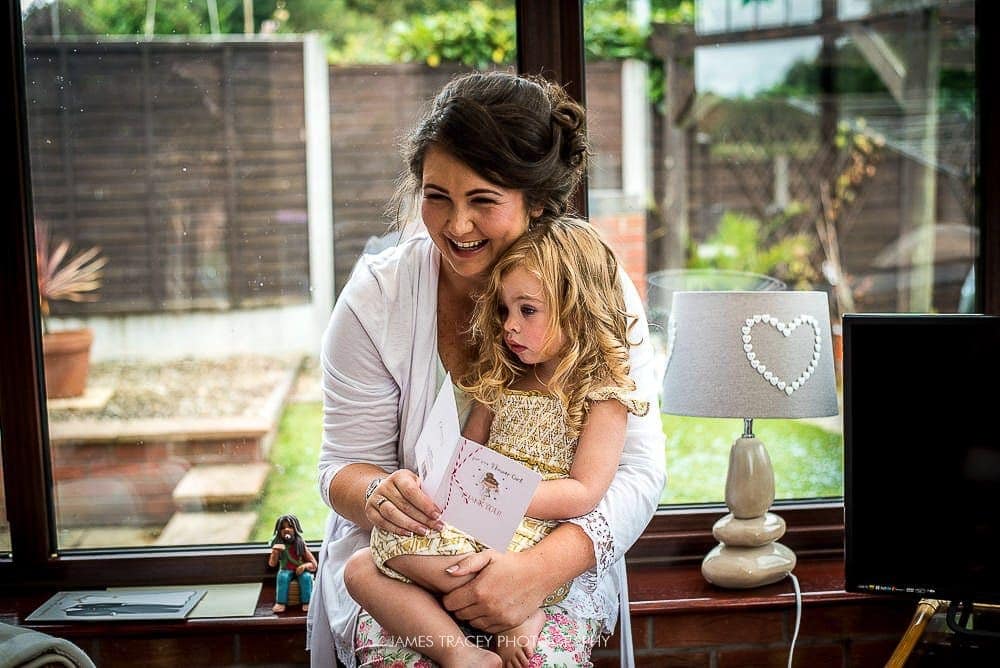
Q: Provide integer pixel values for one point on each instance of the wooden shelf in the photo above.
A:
(665, 590)
(677, 617)
(14, 608)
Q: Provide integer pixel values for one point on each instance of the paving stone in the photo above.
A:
(159, 429)
(231, 486)
(208, 528)
(108, 536)
(92, 399)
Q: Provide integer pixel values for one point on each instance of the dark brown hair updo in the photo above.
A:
(517, 131)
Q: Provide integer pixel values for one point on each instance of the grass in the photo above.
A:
(807, 460)
(292, 487)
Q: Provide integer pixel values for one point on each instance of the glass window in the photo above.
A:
(201, 260)
(756, 150)
(200, 197)
(719, 16)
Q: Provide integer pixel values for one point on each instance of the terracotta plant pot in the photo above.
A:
(67, 362)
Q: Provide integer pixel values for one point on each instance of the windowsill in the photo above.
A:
(670, 589)
(677, 618)
(17, 605)
(654, 589)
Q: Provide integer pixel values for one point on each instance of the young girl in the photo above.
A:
(551, 390)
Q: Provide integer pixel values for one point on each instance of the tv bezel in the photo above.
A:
(917, 591)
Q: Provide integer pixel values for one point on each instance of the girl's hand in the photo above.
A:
(502, 595)
(399, 506)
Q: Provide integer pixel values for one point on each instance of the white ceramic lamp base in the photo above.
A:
(736, 567)
(748, 555)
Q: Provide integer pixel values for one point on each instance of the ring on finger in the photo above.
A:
(380, 501)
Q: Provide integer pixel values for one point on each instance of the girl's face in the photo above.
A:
(525, 314)
(471, 220)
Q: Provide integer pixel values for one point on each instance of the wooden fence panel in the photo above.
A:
(184, 162)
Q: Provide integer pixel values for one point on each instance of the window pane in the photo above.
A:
(209, 195)
(772, 152)
(721, 16)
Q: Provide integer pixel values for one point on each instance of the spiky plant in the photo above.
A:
(75, 279)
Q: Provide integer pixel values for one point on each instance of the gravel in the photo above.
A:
(188, 388)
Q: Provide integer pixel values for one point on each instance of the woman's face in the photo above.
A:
(471, 220)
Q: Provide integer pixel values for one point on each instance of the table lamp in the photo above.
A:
(749, 355)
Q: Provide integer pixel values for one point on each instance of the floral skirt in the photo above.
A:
(564, 641)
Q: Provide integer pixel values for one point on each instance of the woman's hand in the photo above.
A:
(505, 592)
(399, 506)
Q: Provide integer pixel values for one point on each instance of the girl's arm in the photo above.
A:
(597, 455)
(477, 426)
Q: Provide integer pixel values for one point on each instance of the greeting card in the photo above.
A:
(479, 491)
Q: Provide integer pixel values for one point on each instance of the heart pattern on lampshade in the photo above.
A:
(786, 329)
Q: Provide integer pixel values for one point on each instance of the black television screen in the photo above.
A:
(922, 455)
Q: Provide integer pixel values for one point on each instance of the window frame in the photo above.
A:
(550, 40)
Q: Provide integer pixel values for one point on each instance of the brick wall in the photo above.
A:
(129, 481)
(861, 634)
(626, 234)
(856, 634)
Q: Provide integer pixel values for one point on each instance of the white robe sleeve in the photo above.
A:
(360, 396)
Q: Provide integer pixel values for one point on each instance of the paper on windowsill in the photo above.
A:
(104, 605)
(221, 600)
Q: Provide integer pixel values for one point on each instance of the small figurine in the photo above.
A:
(293, 559)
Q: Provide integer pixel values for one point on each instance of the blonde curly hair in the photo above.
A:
(579, 276)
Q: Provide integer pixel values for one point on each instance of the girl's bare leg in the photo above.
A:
(413, 614)
(428, 571)
(516, 645)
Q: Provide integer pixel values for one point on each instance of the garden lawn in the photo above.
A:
(808, 459)
(292, 487)
(808, 463)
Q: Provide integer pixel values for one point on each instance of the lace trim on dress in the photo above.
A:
(345, 649)
(597, 528)
(622, 396)
(591, 606)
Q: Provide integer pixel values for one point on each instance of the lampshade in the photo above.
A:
(750, 355)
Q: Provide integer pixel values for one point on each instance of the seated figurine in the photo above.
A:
(293, 559)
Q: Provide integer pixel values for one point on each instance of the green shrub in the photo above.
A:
(480, 36)
(744, 243)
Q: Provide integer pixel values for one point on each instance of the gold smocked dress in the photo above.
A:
(528, 427)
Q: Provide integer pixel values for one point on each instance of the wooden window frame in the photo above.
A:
(550, 41)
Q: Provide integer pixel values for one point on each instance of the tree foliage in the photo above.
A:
(744, 243)
(476, 33)
(128, 17)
